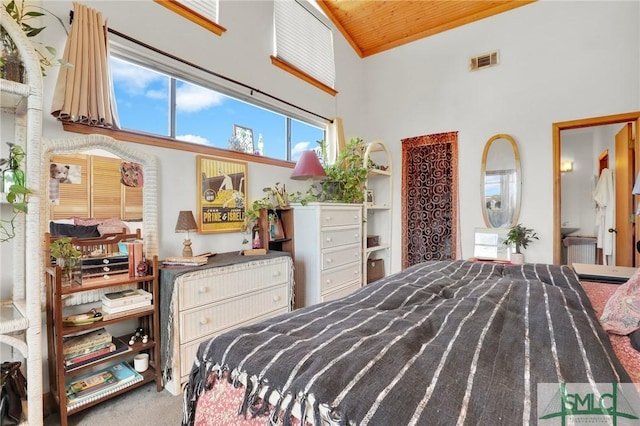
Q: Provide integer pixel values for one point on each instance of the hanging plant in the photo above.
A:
(10, 61)
(14, 189)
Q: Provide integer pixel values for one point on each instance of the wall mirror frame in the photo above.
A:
(126, 153)
(500, 182)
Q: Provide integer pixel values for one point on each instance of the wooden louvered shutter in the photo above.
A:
(74, 198)
(131, 203)
(105, 187)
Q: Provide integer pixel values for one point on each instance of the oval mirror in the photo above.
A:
(500, 182)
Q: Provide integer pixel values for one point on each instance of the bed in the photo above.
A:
(442, 342)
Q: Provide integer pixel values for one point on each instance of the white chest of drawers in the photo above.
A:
(328, 251)
(211, 301)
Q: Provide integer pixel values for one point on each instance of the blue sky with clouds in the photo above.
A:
(203, 116)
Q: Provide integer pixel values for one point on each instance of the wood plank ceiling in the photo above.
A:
(373, 26)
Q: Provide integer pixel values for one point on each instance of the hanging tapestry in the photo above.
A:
(429, 198)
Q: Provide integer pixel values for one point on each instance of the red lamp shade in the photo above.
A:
(308, 167)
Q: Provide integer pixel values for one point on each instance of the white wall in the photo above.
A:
(559, 61)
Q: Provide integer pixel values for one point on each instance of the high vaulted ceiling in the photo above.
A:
(373, 26)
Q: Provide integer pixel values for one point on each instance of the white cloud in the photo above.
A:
(132, 78)
(298, 149)
(190, 98)
(193, 139)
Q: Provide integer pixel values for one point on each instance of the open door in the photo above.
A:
(625, 247)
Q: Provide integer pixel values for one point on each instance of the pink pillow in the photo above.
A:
(86, 222)
(621, 314)
(105, 226)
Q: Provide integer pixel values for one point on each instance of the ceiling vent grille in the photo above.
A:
(483, 61)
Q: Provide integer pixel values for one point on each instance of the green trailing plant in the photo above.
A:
(23, 14)
(346, 178)
(275, 197)
(66, 255)
(17, 196)
(520, 236)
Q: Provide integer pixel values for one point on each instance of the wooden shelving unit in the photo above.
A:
(285, 244)
(148, 320)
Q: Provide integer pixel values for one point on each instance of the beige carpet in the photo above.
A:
(142, 406)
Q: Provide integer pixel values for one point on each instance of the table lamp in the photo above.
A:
(308, 167)
(186, 223)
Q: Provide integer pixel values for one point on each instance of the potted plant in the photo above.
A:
(13, 187)
(346, 177)
(66, 255)
(519, 236)
(11, 67)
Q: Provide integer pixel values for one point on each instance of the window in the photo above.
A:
(154, 102)
(202, 12)
(303, 41)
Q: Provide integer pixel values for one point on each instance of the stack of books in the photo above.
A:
(185, 261)
(125, 302)
(83, 349)
(98, 384)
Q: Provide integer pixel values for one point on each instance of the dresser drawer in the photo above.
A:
(337, 277)
(207, 320)
(340, 236)
(332, 258)
(211, 285)
(340, 217)
(340, 292)
(188, 350)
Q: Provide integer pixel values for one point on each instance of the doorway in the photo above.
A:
(557, 128)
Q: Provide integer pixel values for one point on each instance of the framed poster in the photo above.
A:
(222, 188)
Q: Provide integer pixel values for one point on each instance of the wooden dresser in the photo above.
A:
(328, 251)
(200, 302)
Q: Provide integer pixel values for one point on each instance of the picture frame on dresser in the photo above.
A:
(222, 188)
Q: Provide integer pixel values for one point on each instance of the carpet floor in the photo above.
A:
(142, 406)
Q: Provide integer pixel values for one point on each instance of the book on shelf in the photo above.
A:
(93, 386)
(115, 348)
(89, 350)
(107, 317)
(186, 260)
(125, 297)
(83, 341)
(117, 309)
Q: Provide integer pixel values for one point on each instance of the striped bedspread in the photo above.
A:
(447, 343)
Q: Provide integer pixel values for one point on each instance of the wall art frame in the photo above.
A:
(222, 189)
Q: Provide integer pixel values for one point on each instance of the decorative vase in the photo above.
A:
(13, 69)
(12, 177)
(517, 258)
(67, 265)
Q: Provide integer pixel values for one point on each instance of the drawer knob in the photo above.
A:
(204, 289)
(329, 281)
(204, 321)
(276, 273)
(329, 260)
(276, 298)
(106, 268)
(328, 218)
(105, 260)
(329, 239)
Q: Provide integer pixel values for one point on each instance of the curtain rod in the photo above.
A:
(213, 73)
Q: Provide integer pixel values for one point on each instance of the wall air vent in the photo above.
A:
(483, 61)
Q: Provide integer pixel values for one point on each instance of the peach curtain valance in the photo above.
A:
(83, 92)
